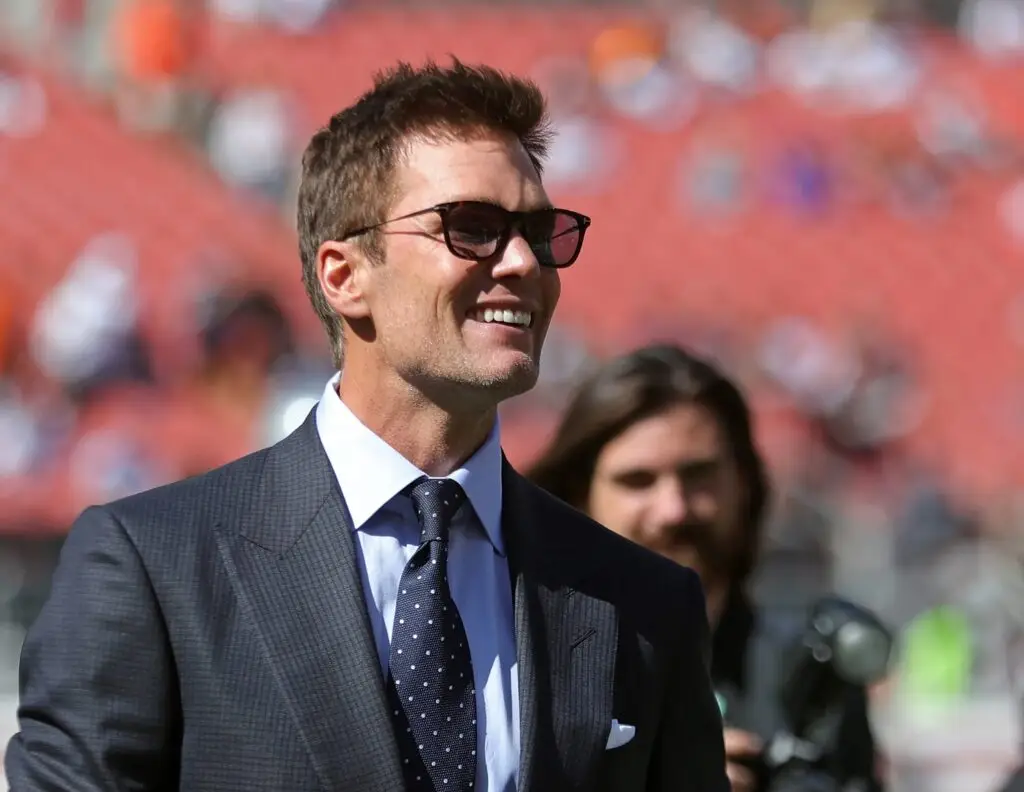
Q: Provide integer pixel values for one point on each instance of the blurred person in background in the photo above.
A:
(657, 445)
(251, 140)
(155, 44)
(244, 338)
(86, 332)
(294, 620)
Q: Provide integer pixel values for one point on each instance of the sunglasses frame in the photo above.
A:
(516, 220)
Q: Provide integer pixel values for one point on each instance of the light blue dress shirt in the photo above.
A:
(372, 475)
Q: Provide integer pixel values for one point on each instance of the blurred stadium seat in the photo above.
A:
(942, 285)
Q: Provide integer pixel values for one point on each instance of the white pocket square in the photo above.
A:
(620, 734)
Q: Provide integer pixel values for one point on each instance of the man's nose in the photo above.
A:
(669, 506)
(517, 260)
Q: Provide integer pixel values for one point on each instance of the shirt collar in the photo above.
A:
(371, 473)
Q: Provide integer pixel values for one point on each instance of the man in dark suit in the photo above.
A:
(380, 602)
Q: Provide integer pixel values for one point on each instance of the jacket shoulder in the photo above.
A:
(613, 556)
(200, 499)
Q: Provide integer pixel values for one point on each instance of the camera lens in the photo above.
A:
(861, 652)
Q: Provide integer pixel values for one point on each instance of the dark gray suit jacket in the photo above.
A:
(213, 635)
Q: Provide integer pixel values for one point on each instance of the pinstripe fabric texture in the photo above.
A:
(212, 636)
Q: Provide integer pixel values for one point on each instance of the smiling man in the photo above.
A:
(380, 602)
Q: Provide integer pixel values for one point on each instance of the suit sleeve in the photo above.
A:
(690, 755)
(99, 707)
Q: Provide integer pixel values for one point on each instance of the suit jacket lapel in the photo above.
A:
(566, 646)
(292, 559)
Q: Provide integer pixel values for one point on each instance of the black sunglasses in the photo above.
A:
(476, 231)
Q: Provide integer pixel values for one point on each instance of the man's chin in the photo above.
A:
(509, 371)
(510, 381)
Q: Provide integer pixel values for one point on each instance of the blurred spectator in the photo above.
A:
(952, 126)
(629, 66)
(84, 334)
(994, 27)
(242, 12)
(18, 434)
(111, 462)
(761, 20)
(23, 106)
(714, 171)
(18, 440)
(805, 176)
(293, 16)
(957, 687)
(585, 151)
(23, 23)
(808, 365)
(884, 403)
(245, 337)
(154, 45)
(298, 16)
(848, 62)
(715, 52)
(35, 417)
(68, 20)
(917, 184)
(925, 520)
(252, 141)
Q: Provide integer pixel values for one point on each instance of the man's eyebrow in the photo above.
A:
(705, 465)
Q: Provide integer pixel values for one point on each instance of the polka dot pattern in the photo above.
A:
(430, 681)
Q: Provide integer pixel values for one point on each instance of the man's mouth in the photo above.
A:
(502, 316)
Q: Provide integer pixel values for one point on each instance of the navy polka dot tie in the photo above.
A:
(430, 680)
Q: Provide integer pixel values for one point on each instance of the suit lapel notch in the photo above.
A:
(566, 644)
(303, 592)
(582, 699)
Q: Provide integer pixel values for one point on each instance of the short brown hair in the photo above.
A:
(628, 389)
(349, 166)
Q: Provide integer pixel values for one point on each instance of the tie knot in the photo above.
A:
(435, 502)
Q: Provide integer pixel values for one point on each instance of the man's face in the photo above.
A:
(426, 304)
(669, 483)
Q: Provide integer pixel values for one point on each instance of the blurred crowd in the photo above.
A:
(854, 58)
(905, 111)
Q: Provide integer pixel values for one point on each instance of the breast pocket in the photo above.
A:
(635, 703)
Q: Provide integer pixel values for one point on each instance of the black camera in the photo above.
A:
(843, 646)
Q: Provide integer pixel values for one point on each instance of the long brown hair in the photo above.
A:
(638, 385)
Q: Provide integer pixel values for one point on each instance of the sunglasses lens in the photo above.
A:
(554, 236)
(476, 230)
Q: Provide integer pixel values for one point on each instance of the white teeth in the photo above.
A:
(520, 318)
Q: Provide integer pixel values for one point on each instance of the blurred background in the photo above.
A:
(827, 196)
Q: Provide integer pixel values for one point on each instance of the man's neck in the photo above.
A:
(434, 439)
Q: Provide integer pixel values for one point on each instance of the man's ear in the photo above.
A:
(340, 268)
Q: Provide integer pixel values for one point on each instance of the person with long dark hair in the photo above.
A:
(658, 446)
